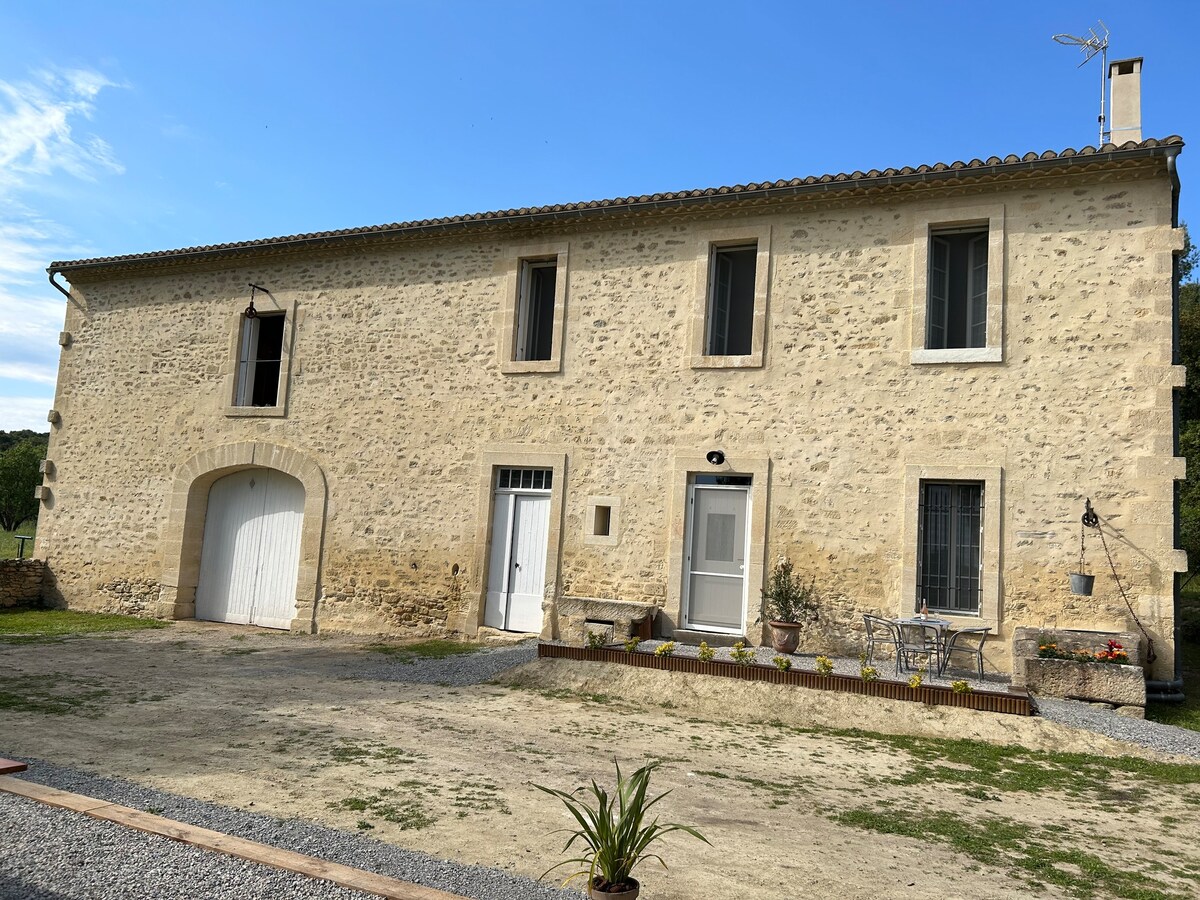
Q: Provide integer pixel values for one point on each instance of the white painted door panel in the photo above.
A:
(251, 553)
(496, 607)
(278, 552)
(528, 577)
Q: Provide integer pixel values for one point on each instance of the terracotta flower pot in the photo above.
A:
(785, 636)
(631, 889)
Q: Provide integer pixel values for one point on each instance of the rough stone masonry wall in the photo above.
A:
(396, 393)
(21, 582)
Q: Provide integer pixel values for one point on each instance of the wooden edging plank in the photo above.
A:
(11, 766)
(252, 851)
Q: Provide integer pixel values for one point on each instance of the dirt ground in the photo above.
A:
(271, 722)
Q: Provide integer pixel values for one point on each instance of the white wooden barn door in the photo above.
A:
(517, 560)
(251, 552)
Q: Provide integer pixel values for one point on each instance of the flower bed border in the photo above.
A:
(933, 695)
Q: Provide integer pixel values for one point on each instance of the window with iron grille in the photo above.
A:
(513, 479)
(951, 533)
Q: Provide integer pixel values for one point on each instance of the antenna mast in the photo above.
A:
(1091, 45)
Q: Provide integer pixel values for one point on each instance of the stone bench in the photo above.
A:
(611, 620)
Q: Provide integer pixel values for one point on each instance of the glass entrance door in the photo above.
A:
(716, 555)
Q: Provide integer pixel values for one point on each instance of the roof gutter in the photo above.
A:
(586, 212)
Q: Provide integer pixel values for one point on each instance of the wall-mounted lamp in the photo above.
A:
(715, 457)
(251, 312)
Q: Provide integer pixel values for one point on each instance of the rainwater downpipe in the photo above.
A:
(1160, 691)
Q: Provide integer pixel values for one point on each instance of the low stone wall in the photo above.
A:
(21, 582)
(1026, 640)
(1100, 682)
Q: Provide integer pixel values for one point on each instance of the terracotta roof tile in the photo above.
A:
(781, 187)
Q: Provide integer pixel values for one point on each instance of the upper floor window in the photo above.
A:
(260, 358)
(729, 326)
(958, 284)
(956, 316)
(535, 310)
(729, 306)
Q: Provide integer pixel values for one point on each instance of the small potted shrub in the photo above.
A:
(791, 604)
(614, 833)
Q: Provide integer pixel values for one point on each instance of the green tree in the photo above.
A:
(19, 475)
(12, 438)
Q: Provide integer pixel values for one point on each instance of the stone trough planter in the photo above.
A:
(1097, 682)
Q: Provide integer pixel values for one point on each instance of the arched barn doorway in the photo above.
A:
(251, 552)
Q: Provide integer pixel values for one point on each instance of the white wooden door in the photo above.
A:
(716, 558)
(517, 561)
(251, 553)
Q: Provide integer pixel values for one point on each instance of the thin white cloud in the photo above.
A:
(39, 147)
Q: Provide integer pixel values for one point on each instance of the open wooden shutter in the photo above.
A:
(938, 313)
(977, 263)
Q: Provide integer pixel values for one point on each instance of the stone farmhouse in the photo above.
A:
(906, 381)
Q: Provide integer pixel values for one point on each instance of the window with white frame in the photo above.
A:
(535, 310)
(260, 358)
(958, 289)
(950, 541)
(729, 323)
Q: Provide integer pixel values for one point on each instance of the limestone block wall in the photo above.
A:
(396, 392)
(21, 582)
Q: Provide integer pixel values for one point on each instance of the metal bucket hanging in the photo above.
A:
(1082, 583)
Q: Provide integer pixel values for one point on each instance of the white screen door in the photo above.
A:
(517, 559)
(716, 557)
(251, 553)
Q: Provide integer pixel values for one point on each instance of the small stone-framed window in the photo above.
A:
(534, 310)
(602, 521)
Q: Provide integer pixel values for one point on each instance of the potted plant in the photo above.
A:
(790, 603)
(614, 834)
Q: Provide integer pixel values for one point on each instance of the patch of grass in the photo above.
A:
(1187, 713)
(479, 796)
(37, 694)
(431, 649)
(1038, 858)
(408, 814)
(1011, 768)
(363, 753)
(30, 625)
(9, 542)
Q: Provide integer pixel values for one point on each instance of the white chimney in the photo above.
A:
(1125, 93)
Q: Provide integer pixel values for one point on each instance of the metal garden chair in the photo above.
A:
(920, 640)
(968, 641)
(882, 633)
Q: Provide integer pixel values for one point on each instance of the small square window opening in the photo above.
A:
(602, 521)
(958, 286)
(259, 360)
(730, 320)
(535, 310)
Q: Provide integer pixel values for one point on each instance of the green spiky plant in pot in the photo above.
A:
(614, 833)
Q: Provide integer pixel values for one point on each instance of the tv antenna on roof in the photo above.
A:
(1091, 45)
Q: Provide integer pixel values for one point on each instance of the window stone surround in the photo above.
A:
(992, 478)
(506, 348)
(730, 237)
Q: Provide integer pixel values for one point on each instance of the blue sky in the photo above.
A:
(127, 127)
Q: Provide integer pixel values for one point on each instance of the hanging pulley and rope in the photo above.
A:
(1091, 520)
